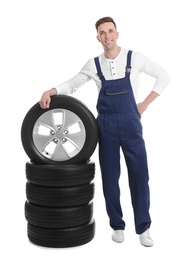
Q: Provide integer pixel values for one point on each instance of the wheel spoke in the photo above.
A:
(46, 120)
(60, 154)
(78, 139)
(69, 119)
(42, 141)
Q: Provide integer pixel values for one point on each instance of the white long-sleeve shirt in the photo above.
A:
(115, 69)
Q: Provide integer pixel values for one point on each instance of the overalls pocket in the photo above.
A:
(115, 90)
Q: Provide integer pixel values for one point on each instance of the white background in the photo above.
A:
(44, 43)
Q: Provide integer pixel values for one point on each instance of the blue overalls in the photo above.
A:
(120, 126)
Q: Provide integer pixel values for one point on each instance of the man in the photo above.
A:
(116, 73)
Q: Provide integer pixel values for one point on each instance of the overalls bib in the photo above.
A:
(120, 127)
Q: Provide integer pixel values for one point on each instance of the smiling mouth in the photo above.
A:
(109, 42)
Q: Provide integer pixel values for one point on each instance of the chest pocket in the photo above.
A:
(116, 90)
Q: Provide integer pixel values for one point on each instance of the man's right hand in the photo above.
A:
(46, 98)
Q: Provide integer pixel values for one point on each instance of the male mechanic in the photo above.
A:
(116, 73)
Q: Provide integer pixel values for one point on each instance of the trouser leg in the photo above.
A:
(136, 161)
(109, 155)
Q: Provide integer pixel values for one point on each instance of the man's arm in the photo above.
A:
(67, 87)
(149, 99)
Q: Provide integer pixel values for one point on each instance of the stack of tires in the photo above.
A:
(59, 142)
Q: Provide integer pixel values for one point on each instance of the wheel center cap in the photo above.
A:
(59, 134)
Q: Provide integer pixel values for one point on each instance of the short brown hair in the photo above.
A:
(105, 20)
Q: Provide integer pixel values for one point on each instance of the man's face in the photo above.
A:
(107, 35)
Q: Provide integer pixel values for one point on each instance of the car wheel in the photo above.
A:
(65, 133)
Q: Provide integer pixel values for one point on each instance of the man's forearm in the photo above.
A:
(149, 99)
(52, 92)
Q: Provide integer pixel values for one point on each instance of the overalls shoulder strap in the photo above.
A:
(99, 72)
(128, 66)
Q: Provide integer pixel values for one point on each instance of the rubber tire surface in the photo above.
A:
(59, 197)
(68, 103)
(60, 175)
(61, 238)
(58, 217)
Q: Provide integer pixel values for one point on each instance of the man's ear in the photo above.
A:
(98, 38)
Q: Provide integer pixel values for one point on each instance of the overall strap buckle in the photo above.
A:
(100, 75)
(128, 69)
(99, 72)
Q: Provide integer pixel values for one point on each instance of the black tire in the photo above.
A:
(60, 175)
(88, 123)
(61, 238)
(58, 217)
(59, 197)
